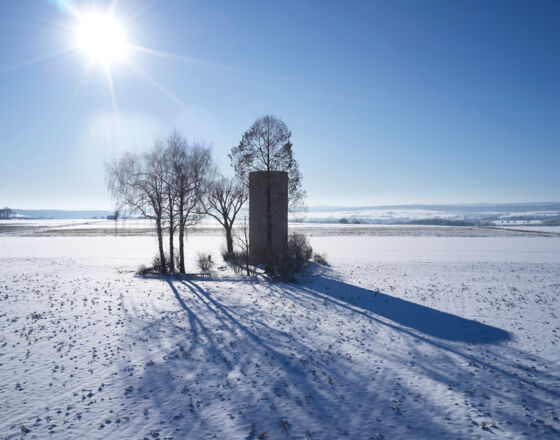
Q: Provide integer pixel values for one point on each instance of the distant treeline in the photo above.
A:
(477, 208)
(425, 221)
(6, 213)
(442, 222)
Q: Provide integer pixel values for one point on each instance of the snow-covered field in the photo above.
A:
(135, 227)
(499, 213)
(535, 228)
(403, 336)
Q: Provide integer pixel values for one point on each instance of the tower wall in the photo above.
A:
(258, 214)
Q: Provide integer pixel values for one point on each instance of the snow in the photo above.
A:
(535, 228)
(136, 227)
(502, 214)
(400, 337)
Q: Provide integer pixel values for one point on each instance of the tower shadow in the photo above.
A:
(399, 313)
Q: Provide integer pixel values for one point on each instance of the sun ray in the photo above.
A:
(110, 83)
(39, 59)
(67, 6)
(136, 68)
(68, 106)
(175, 57)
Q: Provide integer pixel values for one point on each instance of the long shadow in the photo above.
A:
(194, 321)
(421, 322)
(421, 318)
(273, 343)
(226, 317)
(265, 358)
(426, 320)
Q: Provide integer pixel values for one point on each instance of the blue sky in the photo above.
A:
(389, 102)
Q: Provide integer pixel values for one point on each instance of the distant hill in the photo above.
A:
(473, 213)
(59, 214)
(466, 207)
(449, 214)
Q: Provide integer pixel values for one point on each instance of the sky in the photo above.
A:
(389, 102)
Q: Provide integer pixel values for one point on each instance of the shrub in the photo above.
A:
(227, 256)
(296, 256)
(240, 262)
(143, 270)
(204, 262)
(320, 259)
(157, 265)
(155, 268)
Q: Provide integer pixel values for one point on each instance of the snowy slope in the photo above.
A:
(401, 337)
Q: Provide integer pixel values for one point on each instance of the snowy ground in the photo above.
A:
(533, 228)
(135, 227)
(401, 337)
(500, 213)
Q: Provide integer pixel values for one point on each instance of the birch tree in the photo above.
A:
(138, 183)
(190, 169)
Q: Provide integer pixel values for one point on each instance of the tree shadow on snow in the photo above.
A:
(400, 312)
(424, 324)
(323, 285)
(235, 353)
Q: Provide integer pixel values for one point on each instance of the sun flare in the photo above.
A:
(101, 38)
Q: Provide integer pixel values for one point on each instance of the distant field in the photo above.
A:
(48, 228)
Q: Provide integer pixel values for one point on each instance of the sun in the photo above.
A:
(101, 38)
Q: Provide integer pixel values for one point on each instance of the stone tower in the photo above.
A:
(258, 228)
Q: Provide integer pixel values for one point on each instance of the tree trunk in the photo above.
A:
(160, 244)
(229, 240)
(171, 250)
(181, 238)
(182, 248)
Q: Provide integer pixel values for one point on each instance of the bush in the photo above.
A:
(296, 256)
(227, 256)
(239, 261)
(157, 265)
(155, 268)
(204, 262)
(320, 259)
(143, 270)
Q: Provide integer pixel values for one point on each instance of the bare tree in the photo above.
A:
(242, 242)
(6, 213)
(138, 182)
(267, 146)
(224, 200)
(190, 171)
(171, 194)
